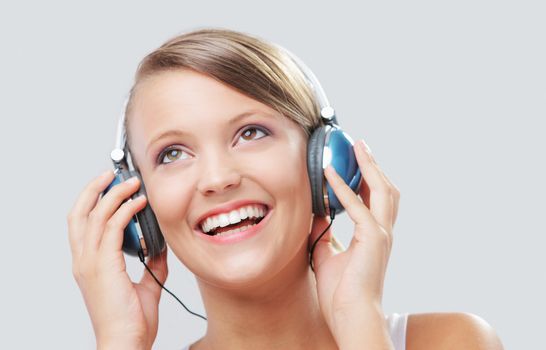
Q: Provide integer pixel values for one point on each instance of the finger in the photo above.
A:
(112, 239)
(394, 189)
(89, 196)
(357, 211)
(158, 265)
(86, 201)
(104, 210)
(380, 194)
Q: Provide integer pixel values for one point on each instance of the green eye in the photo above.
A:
(172, 155)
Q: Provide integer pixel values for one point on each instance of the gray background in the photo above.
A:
(449, 95)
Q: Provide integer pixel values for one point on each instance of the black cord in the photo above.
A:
(312, 250)
(141, 257)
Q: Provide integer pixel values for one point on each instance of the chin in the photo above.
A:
(250, 262)
(243, 271)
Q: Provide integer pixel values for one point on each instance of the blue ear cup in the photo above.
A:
(330, 145)
(142, 234)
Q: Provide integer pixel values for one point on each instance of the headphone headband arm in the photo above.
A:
(327, 112)
(118, 153)
(121, 135)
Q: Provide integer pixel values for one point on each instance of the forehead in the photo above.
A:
(191, 101)
(186, 94)
(189, 91)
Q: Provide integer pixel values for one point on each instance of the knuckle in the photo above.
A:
(383, 189)
(126, 208)
(386, 239)
(93, 187)
(81, 272)
(111, 224)
(118, 190)
(390, 239)
(128, 184)
(94, 216)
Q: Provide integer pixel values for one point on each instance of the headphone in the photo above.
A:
(328, 145)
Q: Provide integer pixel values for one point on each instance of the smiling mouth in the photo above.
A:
(236, 221)
(234, 228)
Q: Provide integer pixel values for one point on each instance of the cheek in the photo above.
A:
(283, 171)
(169, 197)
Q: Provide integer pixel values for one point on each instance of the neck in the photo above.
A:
(282, 313)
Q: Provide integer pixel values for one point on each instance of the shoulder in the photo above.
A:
(449, 330)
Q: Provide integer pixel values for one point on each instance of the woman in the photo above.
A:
(219, 121)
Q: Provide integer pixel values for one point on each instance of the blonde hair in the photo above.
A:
(249, 64)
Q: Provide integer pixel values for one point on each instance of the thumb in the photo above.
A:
(158, 266)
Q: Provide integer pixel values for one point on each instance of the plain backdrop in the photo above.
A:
(450, 96)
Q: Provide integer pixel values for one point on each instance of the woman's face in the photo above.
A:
(202, 146)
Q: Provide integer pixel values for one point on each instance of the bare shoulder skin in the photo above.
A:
(443, 331)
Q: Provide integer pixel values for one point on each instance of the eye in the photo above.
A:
(173, 154)
(253, 133)
(170, 155)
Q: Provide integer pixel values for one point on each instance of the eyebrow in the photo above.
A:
(178, 132)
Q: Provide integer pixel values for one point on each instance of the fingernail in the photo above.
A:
(132, 180)
(365, 147)
(330, 169)
(107, 172)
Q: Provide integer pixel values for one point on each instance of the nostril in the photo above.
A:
(218, 180)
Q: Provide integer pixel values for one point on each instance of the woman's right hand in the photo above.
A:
(124, 314)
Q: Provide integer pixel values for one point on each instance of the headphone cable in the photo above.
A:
(141, 257)
(312, 250)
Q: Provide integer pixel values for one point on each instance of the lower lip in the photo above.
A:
(239, 236)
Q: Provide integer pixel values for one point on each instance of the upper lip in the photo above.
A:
(226, 208)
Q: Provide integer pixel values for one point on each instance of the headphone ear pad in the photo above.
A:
(315, 149)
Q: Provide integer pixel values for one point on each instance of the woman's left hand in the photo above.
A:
(350, 282)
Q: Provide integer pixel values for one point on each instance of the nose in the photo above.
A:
(219, 174)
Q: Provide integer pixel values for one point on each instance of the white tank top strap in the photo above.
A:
(397, 329)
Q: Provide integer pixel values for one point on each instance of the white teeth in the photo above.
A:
(210, 223)
(224, 220)
(233, 217)
(243, 213)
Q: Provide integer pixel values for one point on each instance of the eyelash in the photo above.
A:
(164, 153)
